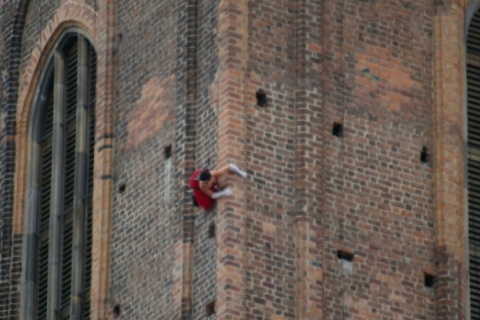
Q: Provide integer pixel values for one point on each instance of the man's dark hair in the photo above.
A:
(205, 175)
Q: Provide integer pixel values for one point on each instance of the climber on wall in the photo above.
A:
(204, 183)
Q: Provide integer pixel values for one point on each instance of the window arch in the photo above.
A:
(58, 240)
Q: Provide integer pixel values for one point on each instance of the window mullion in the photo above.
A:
(30, 256)
(81, 162)
(58, 168)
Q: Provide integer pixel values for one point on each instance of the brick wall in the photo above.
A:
(93, 4)
(185, 75)
(13, 20)
(38, 15)
(206, 140)
(147, 120)
(270, 158)
(449, 157)
(204, 265)
(143, 229)
(5, 220)
(379, 195)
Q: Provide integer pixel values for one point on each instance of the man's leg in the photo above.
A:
(229, 168)
(220, 172)
(234, 168)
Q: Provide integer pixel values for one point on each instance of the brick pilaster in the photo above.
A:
(448, 162)
(309, 186)
(12, 20)
(185, 135)
(104, 34)
(232, 46)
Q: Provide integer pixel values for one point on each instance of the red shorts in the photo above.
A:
(202, 199)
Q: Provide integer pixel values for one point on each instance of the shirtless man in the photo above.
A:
(204, 183)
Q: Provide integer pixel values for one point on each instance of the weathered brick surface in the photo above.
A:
(206, 140)
(309, 137)
(204, 268)
(38, 15)
(92, 3)
(143, 222)
(12, 19)
(270, 157)
(449, 159)
(379, 196)
(185, 73)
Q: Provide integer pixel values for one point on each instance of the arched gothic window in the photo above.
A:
(58, 237)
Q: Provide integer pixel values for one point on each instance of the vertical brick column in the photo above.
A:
(233, 45)
(102, 199)
(185, 134)
(12, 20)
(448, 160)
(309, 188)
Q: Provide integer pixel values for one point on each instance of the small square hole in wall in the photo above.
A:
(122, 188)
(116, 311)
(168, 151)
(210, 309)
(424, 155)
(337, 129)
(344, 255)
(261, 98)
(346, 262)
(429, 280)
(211, 230)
